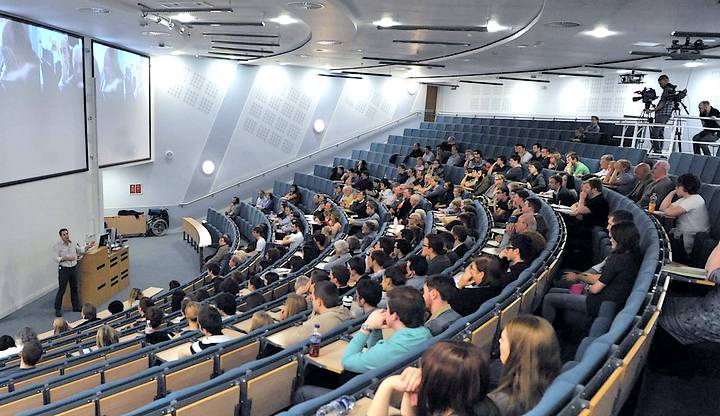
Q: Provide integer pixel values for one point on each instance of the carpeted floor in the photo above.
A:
(154, 261)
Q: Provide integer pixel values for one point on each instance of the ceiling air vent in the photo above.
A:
(562, 24)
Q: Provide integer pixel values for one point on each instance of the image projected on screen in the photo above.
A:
(122, 84)
(42, 103)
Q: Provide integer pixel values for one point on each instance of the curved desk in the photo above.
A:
(197, 235)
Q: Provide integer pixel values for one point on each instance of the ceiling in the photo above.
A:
(520, 36)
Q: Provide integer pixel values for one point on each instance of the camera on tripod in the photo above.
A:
(647, 95)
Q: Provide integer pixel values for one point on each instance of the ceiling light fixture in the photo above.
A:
(328, 42)
(154, 33)
(545, 81)
(493, 26)
(208, 167)
(385, 22)
(306, 5)
(321, 50)
(208, 9)
(647, 44)
(431, 42)
(240, 35)
(303, 56)
(176, 53)
(625, 68)
(692, 64)
(372, 74)
(227, 48)
(600, 32)
(339, 76)
(283, 19)
(93, 10)
(562, 24)
(183, 17)
(480, 82)
(570, 74)
(218, 24)
(319, 126)
(233, 42)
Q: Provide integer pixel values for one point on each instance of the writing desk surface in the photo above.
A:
(330, 357)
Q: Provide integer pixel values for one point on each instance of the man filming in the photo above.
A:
(708, 136)
(663, 113)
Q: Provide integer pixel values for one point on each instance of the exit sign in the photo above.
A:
(135, 189)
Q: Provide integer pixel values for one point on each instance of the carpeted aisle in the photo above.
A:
(154, 261)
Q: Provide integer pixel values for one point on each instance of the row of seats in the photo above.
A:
(470, 140)
(707, 168)
(218, 224)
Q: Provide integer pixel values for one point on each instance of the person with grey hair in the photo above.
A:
(604, 164)
(661, 185)
(341, 255)
(643, 179)
(301, 284)
(353, 244)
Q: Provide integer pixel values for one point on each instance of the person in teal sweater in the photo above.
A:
(405, 315)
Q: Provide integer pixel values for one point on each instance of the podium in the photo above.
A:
(100, 276)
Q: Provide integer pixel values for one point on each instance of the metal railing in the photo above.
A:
(392, 123)
(528, 117)
(636, 131)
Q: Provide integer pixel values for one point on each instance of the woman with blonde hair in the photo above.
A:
(106, 335)
(60, 326)
(134, 297)
(260, 319)
(294, 304)
(530, 354)
(333, 227)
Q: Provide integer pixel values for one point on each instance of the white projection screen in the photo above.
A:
(122, 87)
(42, 102)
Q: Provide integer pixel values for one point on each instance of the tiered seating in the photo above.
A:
(707, 168)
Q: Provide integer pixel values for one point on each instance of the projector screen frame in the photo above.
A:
(92, 69)
(81, 37)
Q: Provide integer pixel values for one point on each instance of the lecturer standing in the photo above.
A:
(67, 254)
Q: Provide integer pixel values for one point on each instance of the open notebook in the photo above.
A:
(683, 270)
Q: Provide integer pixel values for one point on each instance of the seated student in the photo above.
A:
(89, 313)
(460, 235)
(517, 256)
(340, 276)
(106, 336)
(438, 291)
(525, 222)
(416, 271)
(328, 312)
(260, 319)
(134, 296)
(575, 167)
(6, 343)
(530, 355)
(479, 282)
(294, 304)
(295, 239)
(340, 256)
(176, 299)
(23, 336)
(230, 286)
(255, 283)
(30, 355)
(210, 323)
(60, 326)
(369, 233)
(515, 174)
(368, 294)
(501, 209)
(592, 208)
(201, 295)
(536, 180)
(660, 186)
(115, 307)
(254, 247)
(223, 249)
(337, 173)
(190, 310)
(401, 249)
(357, 270)
(252, 301)
(312, 249)
(375, 264)
(405, 315)
(643, 179)
(691, 214)
(448, 243)
(622, 179)
(294, 195)
(454, 380)
(560, 193)
(433, 250)
(173, 284)
(225, 303)
(614, 283)
(690, 320)
(295, 263)
(154, 334)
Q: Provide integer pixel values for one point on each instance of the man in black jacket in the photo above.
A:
(706, 135)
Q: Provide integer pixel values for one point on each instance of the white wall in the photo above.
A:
(575, 97)
(32, 214)
(246, 120)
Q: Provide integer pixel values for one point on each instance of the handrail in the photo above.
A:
(307, 156)
(528, 117)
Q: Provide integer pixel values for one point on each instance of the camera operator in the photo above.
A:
(663, 113)
(706, 135)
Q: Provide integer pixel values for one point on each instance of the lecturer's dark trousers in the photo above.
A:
(67, 275)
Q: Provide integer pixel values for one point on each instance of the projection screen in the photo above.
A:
(42, 102)
(122, 86)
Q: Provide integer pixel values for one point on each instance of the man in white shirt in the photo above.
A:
(604, 163)
(67, 255)
(253, 249)
(295, 238)
(525, 156)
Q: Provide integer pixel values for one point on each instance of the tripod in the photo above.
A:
(640, 129)
(676, 115)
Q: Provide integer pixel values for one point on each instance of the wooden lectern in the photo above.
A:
(100, 276)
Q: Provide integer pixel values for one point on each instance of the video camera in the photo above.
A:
(675, 95)
(647, 95)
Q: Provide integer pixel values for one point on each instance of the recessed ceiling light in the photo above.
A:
(385, 22)
(358, 50)
(328, 42)
(623, 71)
(466, 60)
(709, 40)
(647, 44)
(183, 17)
(562, 24)
(154, 33)
(283, 19)
(522, 45)
(693, 64)
(600, 32)
(305, 5)
(93, 10)
(493, 26)
(176, 53)
(303, 56)
(321, 50)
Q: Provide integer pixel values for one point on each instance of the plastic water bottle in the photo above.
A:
(338, 407)
(148, 328)
(315, 338)
(653, 203)
(395, 222)
(347, 301)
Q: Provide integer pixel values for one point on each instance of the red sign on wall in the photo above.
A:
(135, 189)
